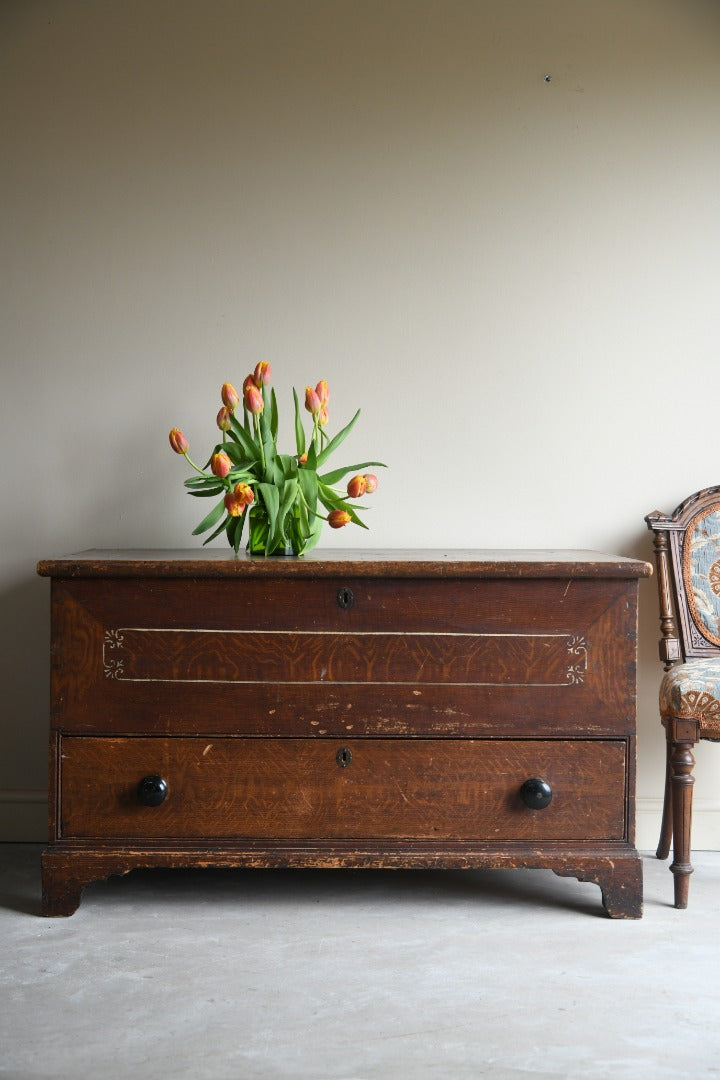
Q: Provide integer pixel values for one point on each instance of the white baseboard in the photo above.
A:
(23, 819)
(705, 824)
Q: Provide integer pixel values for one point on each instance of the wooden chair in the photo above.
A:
(687, 550)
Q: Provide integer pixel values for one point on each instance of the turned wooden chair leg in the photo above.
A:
(682, 780)
(666, 828)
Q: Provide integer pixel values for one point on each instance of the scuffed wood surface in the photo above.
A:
(461, 562)
(294, 788)
(451, 677)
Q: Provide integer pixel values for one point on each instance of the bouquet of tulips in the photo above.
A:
(284, 497)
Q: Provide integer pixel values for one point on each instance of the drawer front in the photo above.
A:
(295, 658)
(424, 789)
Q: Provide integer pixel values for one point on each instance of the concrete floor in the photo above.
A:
(357, 975)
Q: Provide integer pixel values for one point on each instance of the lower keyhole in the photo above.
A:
(343, 757)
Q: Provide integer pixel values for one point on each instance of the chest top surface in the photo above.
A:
(371, 563)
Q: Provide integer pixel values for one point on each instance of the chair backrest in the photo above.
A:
(687, 550)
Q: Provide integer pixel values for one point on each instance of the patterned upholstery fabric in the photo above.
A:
(701, 571)
(692, 691)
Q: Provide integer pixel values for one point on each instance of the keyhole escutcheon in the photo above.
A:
(345, 598)
(343, 757)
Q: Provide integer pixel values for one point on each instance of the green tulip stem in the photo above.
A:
(258, 435)
(192, 463)
(308, 507)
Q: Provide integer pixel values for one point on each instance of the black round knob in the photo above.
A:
(536, 793)
(152, 790)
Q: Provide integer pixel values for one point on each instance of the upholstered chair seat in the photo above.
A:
(691, 691)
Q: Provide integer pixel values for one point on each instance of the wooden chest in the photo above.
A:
(345, 709)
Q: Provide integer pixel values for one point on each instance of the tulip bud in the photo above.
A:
(356, 487)
(323, 415)
(371, 483)
(323, 392)
(223, 418)
(262, 373)
(178, 441)
(302, 460)
(338, 518)
(229, 396)
(220, 464)
(312, 401)
(253, 399)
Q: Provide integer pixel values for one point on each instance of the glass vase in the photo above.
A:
(259, 525)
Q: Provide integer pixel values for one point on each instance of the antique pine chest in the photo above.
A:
(345, 709)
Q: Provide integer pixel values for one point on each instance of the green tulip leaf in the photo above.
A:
(288, 464)
(235, 476)
(299, 429)
(201, 482)
(335, 442)
(234, 530)
(331, 501)
(212, 519)
(221, 528)
(273, 414)
(308, 481)
(312, 460)
(290, 490)
(243, 436)
(271, 498)
(337, 474)
(236, 453)
(207, 493)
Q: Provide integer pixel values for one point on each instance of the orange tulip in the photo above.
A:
(229, 396)
(371, 482)
(220, 464)
(233, 506)
(356, 487)
(313, 403)
(237, 499)
(223, 418)
(178, 441)
(323, 415)
(338, 518)
(262, 374)
(253, 399)
(323, 392)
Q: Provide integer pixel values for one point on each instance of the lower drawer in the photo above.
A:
(323, 789)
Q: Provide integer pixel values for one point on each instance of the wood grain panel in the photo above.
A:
(294, 788)
(440, 605)
(514, 642)
(327, 657)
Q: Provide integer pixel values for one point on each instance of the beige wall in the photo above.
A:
(516, 279)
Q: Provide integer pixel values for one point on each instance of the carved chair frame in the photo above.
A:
(684, 637)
